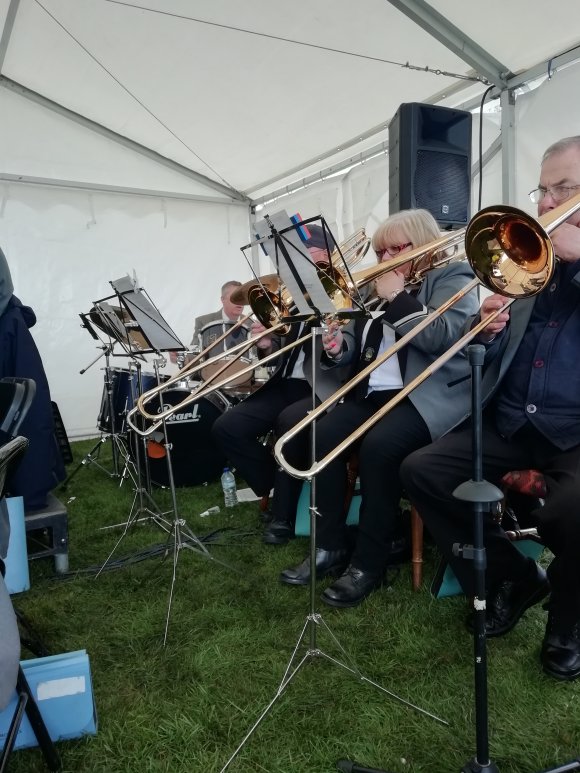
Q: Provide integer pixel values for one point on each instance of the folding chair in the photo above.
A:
(16, 396)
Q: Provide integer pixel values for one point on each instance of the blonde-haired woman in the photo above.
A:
(432, 409)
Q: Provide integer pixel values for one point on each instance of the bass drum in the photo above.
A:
(124, 393)
(195, 459)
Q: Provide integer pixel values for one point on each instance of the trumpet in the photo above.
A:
(511, 254)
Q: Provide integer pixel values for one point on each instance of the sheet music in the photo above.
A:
(298, 254)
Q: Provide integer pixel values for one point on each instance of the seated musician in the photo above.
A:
(42, 468)
(278, 405)
(209, 327)
(428, 412)
(533, 422)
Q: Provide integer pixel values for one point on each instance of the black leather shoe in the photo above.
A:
(278, 532)
(560, 654)
(352, 587)
(329, 563)
(265, 516)
(510, 600)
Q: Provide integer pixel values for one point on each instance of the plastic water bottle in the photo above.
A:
(229, 488)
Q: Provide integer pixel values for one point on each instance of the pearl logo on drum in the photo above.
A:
(183, 417)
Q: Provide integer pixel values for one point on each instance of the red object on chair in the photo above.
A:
(530, 482)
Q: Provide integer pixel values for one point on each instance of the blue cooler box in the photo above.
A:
(63, 691)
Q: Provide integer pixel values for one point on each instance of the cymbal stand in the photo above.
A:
(143, 506)
(118, 446)
(314, 620)
(179, 534)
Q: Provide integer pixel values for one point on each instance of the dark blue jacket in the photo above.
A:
(41, 468)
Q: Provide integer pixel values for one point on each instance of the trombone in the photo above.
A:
(511, 253)
(269, 308)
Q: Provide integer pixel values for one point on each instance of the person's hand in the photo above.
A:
(266, 341)
(389, 285)
(173, 357)
(332, 339)
(566, 241)
(491, 304)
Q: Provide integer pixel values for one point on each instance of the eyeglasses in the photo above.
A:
(558, 192)
(393, 250)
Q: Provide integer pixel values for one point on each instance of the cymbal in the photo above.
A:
(240, 294)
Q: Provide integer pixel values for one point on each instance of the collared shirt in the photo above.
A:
(542, 384)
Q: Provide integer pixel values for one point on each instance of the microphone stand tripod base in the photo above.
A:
(473, 766)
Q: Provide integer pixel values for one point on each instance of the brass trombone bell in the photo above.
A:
(351, 251)
(240, 294)
(509, 251)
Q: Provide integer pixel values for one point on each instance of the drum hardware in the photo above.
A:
(159, 337)
(109, 428)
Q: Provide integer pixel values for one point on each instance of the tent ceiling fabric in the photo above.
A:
(191, 81)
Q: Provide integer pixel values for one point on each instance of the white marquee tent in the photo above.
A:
(140, 135)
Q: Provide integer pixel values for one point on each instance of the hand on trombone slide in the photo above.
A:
(489, 305)
(332, 339)
(265, 343)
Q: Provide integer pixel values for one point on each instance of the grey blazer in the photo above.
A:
(444, 398)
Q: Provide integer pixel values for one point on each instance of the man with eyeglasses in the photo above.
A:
(531, 390)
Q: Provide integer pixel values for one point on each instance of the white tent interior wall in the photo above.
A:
(127, 134)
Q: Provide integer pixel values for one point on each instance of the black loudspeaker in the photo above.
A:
(430, 162)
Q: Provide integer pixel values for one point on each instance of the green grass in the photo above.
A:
(186, 706)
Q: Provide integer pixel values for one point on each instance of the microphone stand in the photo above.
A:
(481, 495)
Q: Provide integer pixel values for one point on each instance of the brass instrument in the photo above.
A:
(511, 254)
(268, 306)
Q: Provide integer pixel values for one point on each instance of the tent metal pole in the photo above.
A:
(508, 146)
(103, 188)
(453, 38)
(7, 31)
(120, 139)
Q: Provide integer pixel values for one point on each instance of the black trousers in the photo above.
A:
(381, 451)
(431, 474)
(277, 407)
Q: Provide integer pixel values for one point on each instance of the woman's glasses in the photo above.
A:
(393, 250)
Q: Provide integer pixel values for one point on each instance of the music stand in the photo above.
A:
(147, 331)
(107, 320)
(312, 303)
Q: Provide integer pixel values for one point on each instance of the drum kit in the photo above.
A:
(194, 458)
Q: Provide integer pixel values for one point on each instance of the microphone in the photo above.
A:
(346, 766)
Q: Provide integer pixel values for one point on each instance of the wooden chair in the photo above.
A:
(522, 482)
